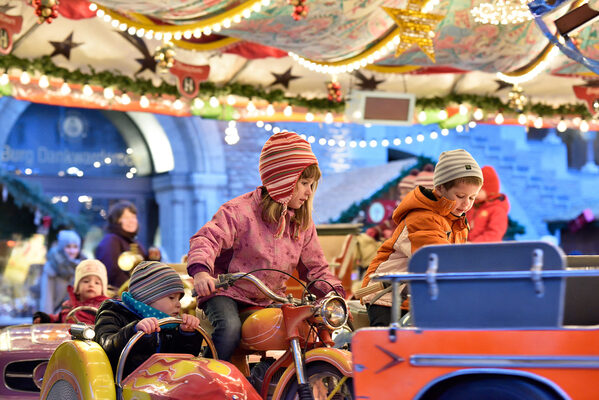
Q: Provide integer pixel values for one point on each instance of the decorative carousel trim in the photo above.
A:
(380, 49)
(217, 44)
(393, 69)
(206, 26)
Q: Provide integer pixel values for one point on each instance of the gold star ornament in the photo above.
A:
(415, 27)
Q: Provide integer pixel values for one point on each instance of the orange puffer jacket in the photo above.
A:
(423, 218)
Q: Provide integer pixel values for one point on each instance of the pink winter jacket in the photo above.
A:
(238, 240)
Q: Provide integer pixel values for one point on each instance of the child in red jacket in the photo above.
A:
(488, 219)
(89, 289)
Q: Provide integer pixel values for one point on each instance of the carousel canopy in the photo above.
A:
(251, 59)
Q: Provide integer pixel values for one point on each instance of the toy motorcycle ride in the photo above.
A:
(309, 368)
(79, 369)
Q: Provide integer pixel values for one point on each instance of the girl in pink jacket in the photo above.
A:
(270, 228)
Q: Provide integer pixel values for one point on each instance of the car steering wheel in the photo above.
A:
(170, 320)
(72, 315)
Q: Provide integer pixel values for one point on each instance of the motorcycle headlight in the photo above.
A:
(334, 312)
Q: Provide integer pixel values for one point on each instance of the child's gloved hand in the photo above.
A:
(190, 323)
(148, 325)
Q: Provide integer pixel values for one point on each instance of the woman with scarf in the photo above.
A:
(59, 270)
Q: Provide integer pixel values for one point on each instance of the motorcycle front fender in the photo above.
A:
(340, 359)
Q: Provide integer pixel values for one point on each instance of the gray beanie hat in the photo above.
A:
(454, 164)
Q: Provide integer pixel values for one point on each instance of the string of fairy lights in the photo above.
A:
(232, 136)
(143, 27)
(262, 110)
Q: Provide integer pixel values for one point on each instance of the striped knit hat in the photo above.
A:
(152, 280)
(284, 157)
(455, 164)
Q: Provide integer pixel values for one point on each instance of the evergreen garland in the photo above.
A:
(494, 104)
(31, 197)
(352, 212)
(513, 229)
(44, 65)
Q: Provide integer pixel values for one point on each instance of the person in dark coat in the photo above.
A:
(154, 293)
(121, 236)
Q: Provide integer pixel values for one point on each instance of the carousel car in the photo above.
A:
(25, 351)
(80, 369)
(24, 354)
(487, 321)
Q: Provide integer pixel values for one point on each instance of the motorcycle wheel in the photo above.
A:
(323, 379)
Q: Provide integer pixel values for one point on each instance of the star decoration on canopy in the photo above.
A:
(64, 47)
(502, 85)
(6, 8)
(147, 62)
(367, 83)
(415, 26)
(284, 78)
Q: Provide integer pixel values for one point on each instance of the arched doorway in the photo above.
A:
(178, 173)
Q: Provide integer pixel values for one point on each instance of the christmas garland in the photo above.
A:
(494, 104)
(513, 229)
(44, 65)
(352, 212)
(26, 195)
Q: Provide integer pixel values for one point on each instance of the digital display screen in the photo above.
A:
(386, 108)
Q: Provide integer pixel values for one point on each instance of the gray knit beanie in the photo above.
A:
(68, 237)
(454, 164)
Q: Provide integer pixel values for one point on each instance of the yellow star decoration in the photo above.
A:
(415, 27)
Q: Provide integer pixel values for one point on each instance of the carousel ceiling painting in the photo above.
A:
(490, 60)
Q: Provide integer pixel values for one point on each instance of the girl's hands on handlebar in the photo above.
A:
(204, 284)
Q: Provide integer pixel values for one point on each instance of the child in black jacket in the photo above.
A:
(154, 293)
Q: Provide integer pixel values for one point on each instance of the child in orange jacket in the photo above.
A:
(426, 217)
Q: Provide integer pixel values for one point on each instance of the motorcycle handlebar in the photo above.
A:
(226, 280)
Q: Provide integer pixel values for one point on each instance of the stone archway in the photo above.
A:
(191, 193)
(186, 159)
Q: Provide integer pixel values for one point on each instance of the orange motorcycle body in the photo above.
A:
(266, 329)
